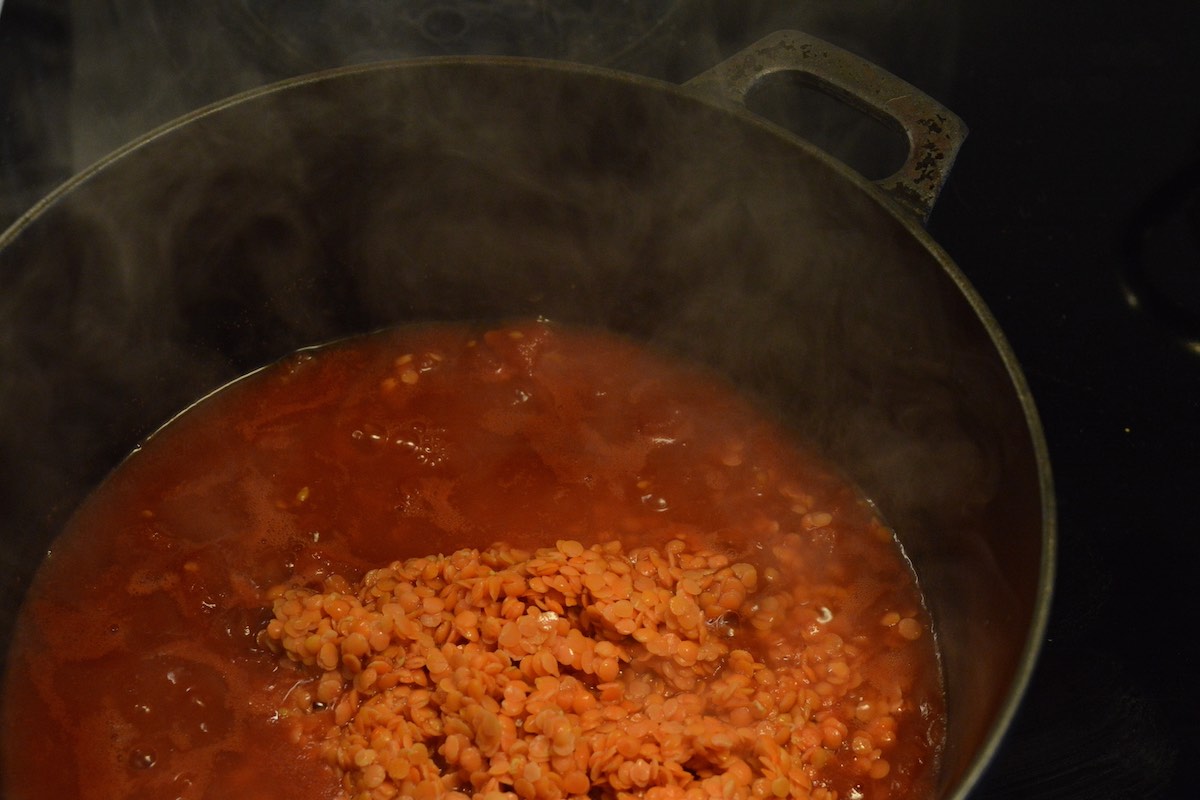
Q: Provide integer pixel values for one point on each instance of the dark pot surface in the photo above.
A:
(456, 189)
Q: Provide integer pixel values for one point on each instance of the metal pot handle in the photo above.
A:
(934, 133)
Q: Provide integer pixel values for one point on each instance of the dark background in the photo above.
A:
(1074, 208)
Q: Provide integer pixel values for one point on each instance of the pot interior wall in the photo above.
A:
(485, 190)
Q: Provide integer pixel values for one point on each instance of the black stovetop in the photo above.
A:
(1074, 208)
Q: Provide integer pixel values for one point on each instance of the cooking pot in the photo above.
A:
(489, 188)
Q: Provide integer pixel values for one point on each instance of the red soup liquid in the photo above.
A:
(446, 561)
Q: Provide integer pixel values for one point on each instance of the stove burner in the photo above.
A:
(300, 38)
(1163, 263)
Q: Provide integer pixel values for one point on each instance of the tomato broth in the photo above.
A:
(192, 633)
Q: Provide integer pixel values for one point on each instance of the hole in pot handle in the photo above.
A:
(934, 133)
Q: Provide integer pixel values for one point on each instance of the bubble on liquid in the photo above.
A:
(426, 443)
(369, 436)
(655, 502)
(178, 699)
(726, 625)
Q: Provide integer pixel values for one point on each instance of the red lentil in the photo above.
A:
(687, 605)
(664, 705)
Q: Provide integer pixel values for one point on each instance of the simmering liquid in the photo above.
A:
(153, 657)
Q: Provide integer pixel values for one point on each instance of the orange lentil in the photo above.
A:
(909, 628)
(861, 744)
(606, 687)
(816, 519)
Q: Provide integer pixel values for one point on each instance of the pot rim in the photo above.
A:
(1049, 539)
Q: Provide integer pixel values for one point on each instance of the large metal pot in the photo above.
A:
(460, 188)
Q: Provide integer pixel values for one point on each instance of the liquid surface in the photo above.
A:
(142, 668)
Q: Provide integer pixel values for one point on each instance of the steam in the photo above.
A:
(141, 63)
(448, 192)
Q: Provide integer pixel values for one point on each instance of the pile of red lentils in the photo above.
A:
(575, 672)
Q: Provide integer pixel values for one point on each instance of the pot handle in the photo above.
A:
(934, 133)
